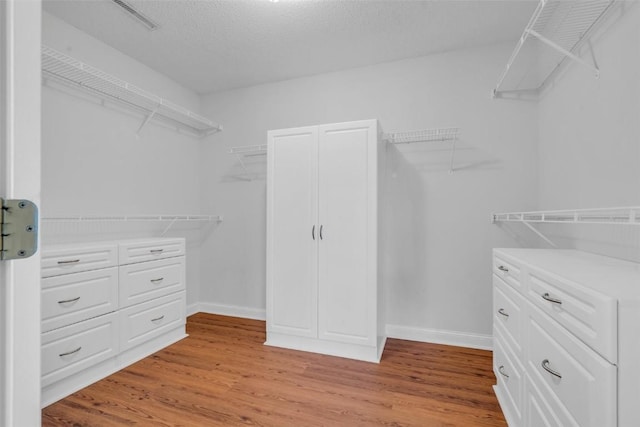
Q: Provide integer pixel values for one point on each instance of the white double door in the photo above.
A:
(321, 220)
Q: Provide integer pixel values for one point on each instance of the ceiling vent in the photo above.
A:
(136, 14)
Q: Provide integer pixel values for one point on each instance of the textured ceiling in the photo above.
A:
(216, 45)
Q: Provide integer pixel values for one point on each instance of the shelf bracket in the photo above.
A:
(539, 234)
(149, 117)
(453, 153)
(168, 227)
(564, 51)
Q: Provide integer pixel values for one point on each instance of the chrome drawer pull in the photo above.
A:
(160, 279)
(156, 251)
(66, 301)
(545, 366)
(321, 231)
(501, 370)
(548, 298)
(70, 352)
(158, 318)
(71, 261)
(503, 268)
(313, 232)
(504, 313)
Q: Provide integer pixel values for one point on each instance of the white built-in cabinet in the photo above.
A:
(566, 347)
(106, 305)
(323, 227)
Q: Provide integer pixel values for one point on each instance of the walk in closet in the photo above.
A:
(320, 212)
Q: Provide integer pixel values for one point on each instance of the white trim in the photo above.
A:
(410, 333)
(227, 310)
(439, 336)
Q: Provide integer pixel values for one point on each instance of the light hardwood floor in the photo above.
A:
(222, 374)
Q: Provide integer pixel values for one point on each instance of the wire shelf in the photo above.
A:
(611, 216)
(249, 150)
(67, 70)
(554, 33)
(424, 135)
(127, 218)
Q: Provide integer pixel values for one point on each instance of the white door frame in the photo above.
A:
(20, 86)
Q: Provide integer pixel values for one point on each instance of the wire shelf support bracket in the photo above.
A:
(427, 135)
(69, 71)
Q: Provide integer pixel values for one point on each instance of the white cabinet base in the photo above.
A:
(331, 348)
(82, 379)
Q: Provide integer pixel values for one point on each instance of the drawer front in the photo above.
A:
(149, 250)
(509, 377)
(144, 281)
(508, 311)
(69, 259)
(538, 412)
(508, 270)
(72, 298)
(579, 385)
(74, 348)
(148, 320)
(587, 314)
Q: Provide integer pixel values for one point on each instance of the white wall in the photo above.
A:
(589, 148)
(94, 164)
(443, 281)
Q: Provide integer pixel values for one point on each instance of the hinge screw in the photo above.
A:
(22, 205)
(29, 228)
(22, 252)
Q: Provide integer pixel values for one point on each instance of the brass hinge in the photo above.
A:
(19, 228)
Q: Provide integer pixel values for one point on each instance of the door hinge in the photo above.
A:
(19, 227)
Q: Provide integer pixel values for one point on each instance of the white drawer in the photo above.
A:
(72, 298)
(144, 281)
(148, 320)
(509, 377)
(71, 349)
(537, 411)
(589, 315)
(508, 311)
(149, 250)
(582, 392)
(509, 270)
(57, 260)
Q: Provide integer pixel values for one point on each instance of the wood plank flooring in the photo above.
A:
(222, 374)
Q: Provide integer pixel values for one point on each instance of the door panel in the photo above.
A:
(292, 275)
(344, 198)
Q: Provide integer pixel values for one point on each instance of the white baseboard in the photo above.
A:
(438, 336)
(435, 336)
(227, 310)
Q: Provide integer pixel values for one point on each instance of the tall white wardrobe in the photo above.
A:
(325, 187)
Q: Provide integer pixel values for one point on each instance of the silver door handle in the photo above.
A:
(158, 318)
(313, 232)
(545, 366)
(160, 279)
(503, 268)
(70, 352)
(65, 301)
(504, 313)
(71, 261)
(501, 370)
(321, 231)
(548, 298)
